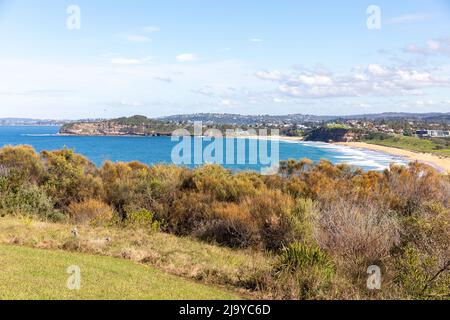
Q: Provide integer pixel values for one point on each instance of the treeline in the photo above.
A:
(326, 223)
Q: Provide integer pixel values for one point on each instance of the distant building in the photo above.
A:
(433, 133)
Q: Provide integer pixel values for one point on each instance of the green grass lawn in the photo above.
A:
(32, 274)
(412, 144)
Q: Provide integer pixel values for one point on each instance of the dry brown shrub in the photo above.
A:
(189, 213)
(272, 211)
(90, 211)
(231, 225)
(23, 161)
(413, 186)
(360, 235)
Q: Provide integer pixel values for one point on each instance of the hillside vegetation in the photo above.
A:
(333, 133)
(323, 225)
(136, 125)
(438, 146)
(42, 274)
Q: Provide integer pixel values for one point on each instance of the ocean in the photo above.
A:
(158, 150)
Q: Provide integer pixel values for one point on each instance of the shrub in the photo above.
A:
(300, 256)
(20, 165)
(262, 220)
(307, 269)
(142, 219)
(304, 215)
(70, 178)
(361, 235)
(420, 264)
(29, 200)
(272, 212)
(291, 167)
(415, 185)
(189, 213)
(163, 184)
(232, 225)
(421, 275)
(221, 184)
(90, 211)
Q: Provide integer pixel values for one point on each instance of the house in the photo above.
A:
(433, 133)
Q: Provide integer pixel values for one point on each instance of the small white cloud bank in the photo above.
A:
(186, 57)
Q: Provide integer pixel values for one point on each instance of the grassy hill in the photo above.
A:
(41, 274)
(435, 146)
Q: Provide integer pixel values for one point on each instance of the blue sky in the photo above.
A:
(252, 57)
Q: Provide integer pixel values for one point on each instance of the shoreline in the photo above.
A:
(440, 163)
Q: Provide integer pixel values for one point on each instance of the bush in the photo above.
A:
(142, 219)
(30, 200)
(90, 211)
(221, 184)
(308, 269)
(232, 225)
(360, 235)
(20, 165)
(300, 256)
(70, 178)
(304, 215)
(189, 213)
(272, 212)
(164, 183)
(121, 182)
(420, 264)
(415, 185)
(421, 275)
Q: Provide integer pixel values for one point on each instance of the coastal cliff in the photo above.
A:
(133, 126)
(324, 134)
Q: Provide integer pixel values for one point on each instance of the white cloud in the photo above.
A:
(314, 80)
(226, 102)
(164, 79)
(433, 47)
(377, 70)
(151, 29)
(124, 103)
(186, 57)
(256, 40)
(410, 18)
(270, 75)
(129, 61)
(278, 100)
(119, 83)
(371, 80)
(425, 102)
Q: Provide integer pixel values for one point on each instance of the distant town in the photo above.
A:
(425, 125)
(408, 124)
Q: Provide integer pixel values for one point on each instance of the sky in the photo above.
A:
(102, 59)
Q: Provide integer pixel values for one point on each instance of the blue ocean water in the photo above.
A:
(158, 150)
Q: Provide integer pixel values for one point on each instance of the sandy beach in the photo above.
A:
(431, 159)
(440, 163)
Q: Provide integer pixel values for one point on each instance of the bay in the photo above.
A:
(158, 150)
